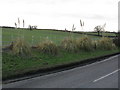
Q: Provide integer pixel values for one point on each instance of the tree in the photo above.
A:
(35, 27)
(30, 27)
(98, 29)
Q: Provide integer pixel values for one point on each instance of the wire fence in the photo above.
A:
(32, 40)
(34, 37)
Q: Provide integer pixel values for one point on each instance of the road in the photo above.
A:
(102, 74)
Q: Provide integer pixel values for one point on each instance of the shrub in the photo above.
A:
(106, 44)
(117, 39)
(48, 47)
(20, 47)
(69, 44)
(85, 43)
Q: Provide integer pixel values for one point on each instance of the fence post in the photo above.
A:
(32, 39)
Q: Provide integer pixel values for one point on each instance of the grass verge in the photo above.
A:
(16, 65)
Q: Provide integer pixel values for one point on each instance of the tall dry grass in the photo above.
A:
(21, 47)
(106, 44)
(48, 47)
(85, 43)
(69, 44)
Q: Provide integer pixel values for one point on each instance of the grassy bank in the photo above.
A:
(14, 65)
(59, 48)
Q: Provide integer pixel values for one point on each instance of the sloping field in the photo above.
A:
(35, 36)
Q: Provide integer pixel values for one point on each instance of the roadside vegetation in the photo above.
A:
(20, 57)
(47, 47)
(20, 47)
(117, 40)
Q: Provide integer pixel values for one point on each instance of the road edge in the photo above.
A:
(55, 69)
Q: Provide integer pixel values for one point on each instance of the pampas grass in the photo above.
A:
(69, 44)
(48, 47)
(20, 47)
(106, 44)
(85, 43)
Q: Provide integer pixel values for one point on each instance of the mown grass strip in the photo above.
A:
(13, 65)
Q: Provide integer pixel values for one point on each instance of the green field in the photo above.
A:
(35, 36)
(104, 34)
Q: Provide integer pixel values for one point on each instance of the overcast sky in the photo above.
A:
(60, 14)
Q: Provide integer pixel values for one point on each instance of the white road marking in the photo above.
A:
(108, 59)
(106, 75)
